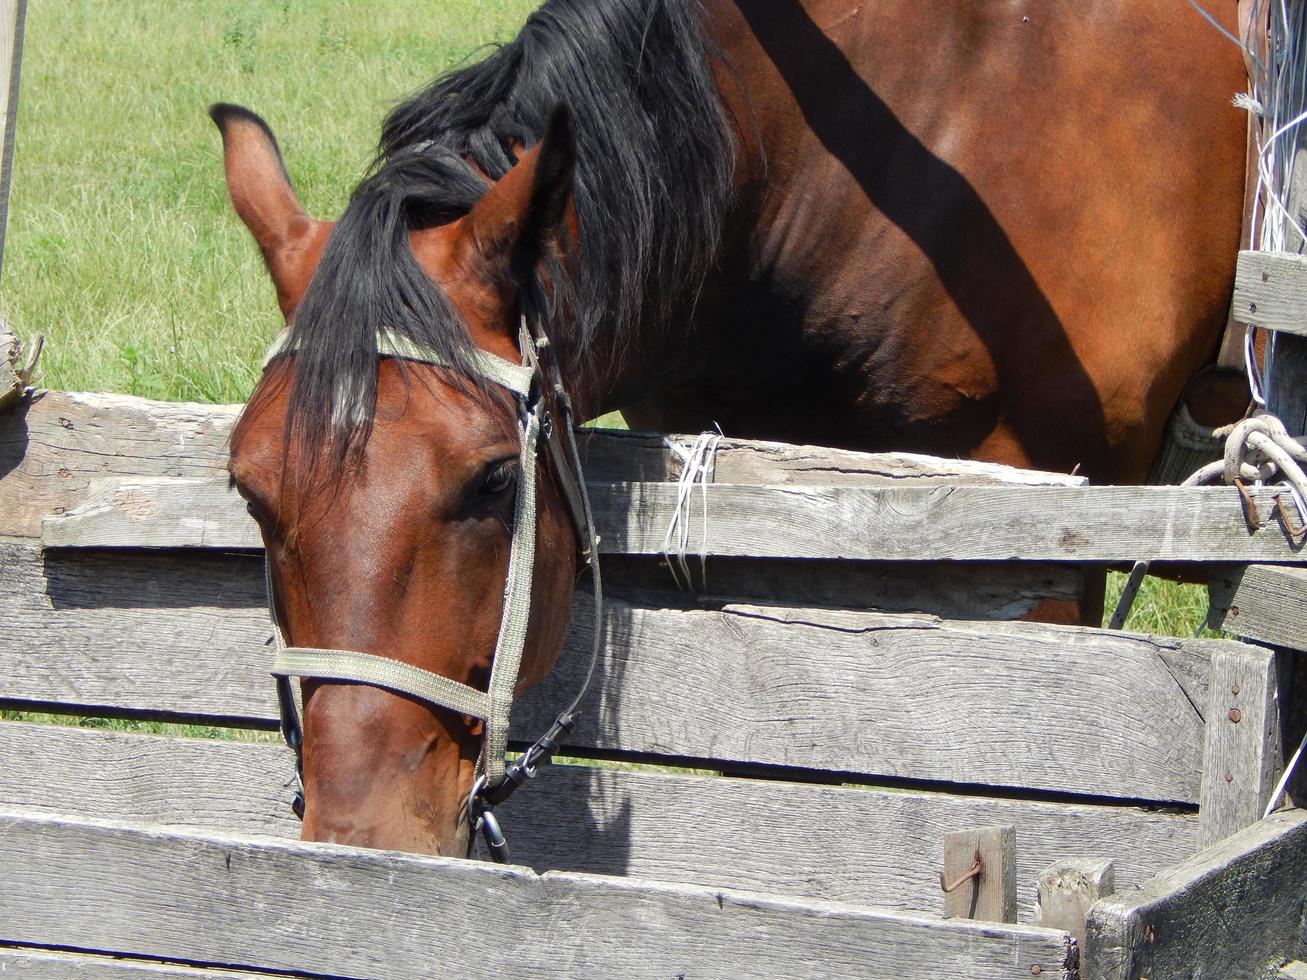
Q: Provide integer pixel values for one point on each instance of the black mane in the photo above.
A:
(655, 159)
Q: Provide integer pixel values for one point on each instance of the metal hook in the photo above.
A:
(970, 873)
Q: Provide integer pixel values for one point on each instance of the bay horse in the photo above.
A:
(998, 229)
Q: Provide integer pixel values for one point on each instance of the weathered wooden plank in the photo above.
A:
(1242, 754)
(1270, 290)
(1262, 602)
(771, 835)
(53, 446)
(208, 898)
(954, 590)
(884, 523)
(990, 894)
(1294, 970)
(1231, 911)
(642, 457)
(1067, 890)
(1287, 388)
(866, 693)
(46, 964)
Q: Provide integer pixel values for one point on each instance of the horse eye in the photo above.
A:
(499, 479)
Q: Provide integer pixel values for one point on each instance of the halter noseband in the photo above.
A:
(495, 780)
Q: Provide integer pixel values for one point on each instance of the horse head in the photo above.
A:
(387, 484)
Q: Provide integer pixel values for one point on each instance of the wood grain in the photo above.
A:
(878, 523)
(614, 456)
(1067, 890)
(1261, 602)
(1242, 754)
(1270, 290)
(1080, 711)
(990, 895)
(259, 902)
(758, 835)
(55, 444)
(1231, 911)
(45, 964)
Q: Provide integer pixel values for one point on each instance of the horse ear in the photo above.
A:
(261, 192)
(516, 219)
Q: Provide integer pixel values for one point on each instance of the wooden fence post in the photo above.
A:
(991, 894)
(1067, 889)
(1242, 753)
(13, 14)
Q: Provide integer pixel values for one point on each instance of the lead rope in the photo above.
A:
(1256, 448)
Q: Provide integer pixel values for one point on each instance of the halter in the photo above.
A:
(495, 779)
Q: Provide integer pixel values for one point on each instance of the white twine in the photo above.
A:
(1275, 49)
(698, 460)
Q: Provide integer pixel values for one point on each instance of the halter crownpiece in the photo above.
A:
(495, 780)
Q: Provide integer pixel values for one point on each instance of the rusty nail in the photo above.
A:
(1229, 777)
(1234, 689)
(1249, 506)
(1036, 969)
(1252, 307)
(1236, 715)
(1295, 529)
(1234, 610)
(971, 872)
(1266, 277)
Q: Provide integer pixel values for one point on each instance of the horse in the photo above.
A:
(995, 229)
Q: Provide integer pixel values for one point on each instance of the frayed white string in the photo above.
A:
(1275, 46)
(698, 461)
(1284, 780)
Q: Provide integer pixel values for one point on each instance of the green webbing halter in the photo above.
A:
(493, 781)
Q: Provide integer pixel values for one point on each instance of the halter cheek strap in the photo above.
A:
(495, 780)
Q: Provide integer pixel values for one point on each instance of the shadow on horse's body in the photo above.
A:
(998, 230)
(994, 229)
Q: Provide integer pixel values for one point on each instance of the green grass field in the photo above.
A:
(122, 247)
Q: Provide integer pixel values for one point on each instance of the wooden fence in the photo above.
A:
(868, 693)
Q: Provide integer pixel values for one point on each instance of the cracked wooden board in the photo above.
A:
(773, 835)
(47, 964)
(279, 905)
(1267, 603)
(55, 443)
(1233, 911)
(876, 523)
(1017, 704)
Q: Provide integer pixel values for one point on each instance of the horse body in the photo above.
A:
(993, 229)
(996, 230)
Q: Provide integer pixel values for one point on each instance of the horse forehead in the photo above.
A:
(424, 425)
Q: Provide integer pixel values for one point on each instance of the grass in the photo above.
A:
(1161, 607)
(122, 247)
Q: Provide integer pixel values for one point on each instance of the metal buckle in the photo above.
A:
(482, 818)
